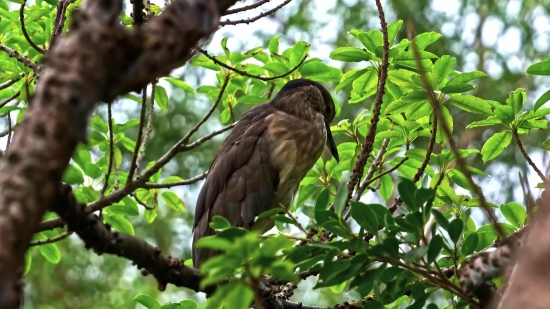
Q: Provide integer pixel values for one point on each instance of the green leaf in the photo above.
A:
(491, 121)
(28, 262)
(349, 77)
(73, 175)
(364, 216)
(535, 114)
(407, 189)
(120, 224)
(470, 244)
(442, 68)
(465, 77)
(97, 123)
(440, 219)
(514, 213)
(189, 304)
(274, 44)
(92, 170)
(180, 84)
(458, 88)
(219, 223)
(224, 47)
(161, 97)
(539, 68)
(127, 207)
(203, 61)
(173, 201)
(252, 99)
(471, 104)
(393, 29)
(516, 100)
(406, 103)
(495, 145)
(322, 200)
(299, 51)
(50, 252)
(276, 68)
(364, 86)
(82, 156)
(456, 227)
(435, 246)
(386, 187)
(240, 296)
(424, 39)
(410, 55)
(441, 137)
(415, 254)
(545, 97)
(370, 39)
(147, 301)
(318, 71)
(349, 54)
(340, 199)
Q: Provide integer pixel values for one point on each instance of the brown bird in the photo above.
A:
(261, 163)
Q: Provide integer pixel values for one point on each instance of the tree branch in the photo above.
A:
(245, 8)
(526, 156)
(253, 19)
(98, 60)
(369, 140)
(24, 60)
(24, 30)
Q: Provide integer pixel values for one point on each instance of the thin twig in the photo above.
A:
(137, 13)
(526, 156)
(187, 136)
(51, 240)
(205, 138)
(461, 164)
(245, 8)
(429, 151)
(133, 194)
(369, 140)
(9, 132)
(133, 166)
(111, 150)
(204, 52)
(11, 82)
(148, 129)
(363, 186)
(59, 20)
(8, 100)
(175, 184)
(24, 30)
(253, 19)
(24, 60)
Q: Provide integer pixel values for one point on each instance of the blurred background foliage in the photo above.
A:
(499, 37)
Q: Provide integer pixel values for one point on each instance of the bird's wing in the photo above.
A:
(241, 182)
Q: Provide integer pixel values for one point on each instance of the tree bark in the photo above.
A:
(98, 60)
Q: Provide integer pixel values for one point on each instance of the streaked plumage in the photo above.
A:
(263, 160)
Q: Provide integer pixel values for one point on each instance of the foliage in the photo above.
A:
(388, 258)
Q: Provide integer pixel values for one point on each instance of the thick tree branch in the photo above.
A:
(98, 60)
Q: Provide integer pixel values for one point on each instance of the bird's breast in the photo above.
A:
(296, 145)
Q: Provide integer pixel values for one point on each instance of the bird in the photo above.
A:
(263, 160)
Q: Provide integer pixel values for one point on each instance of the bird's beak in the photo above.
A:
(331, 144)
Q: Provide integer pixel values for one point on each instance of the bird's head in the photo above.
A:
(305, 98)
